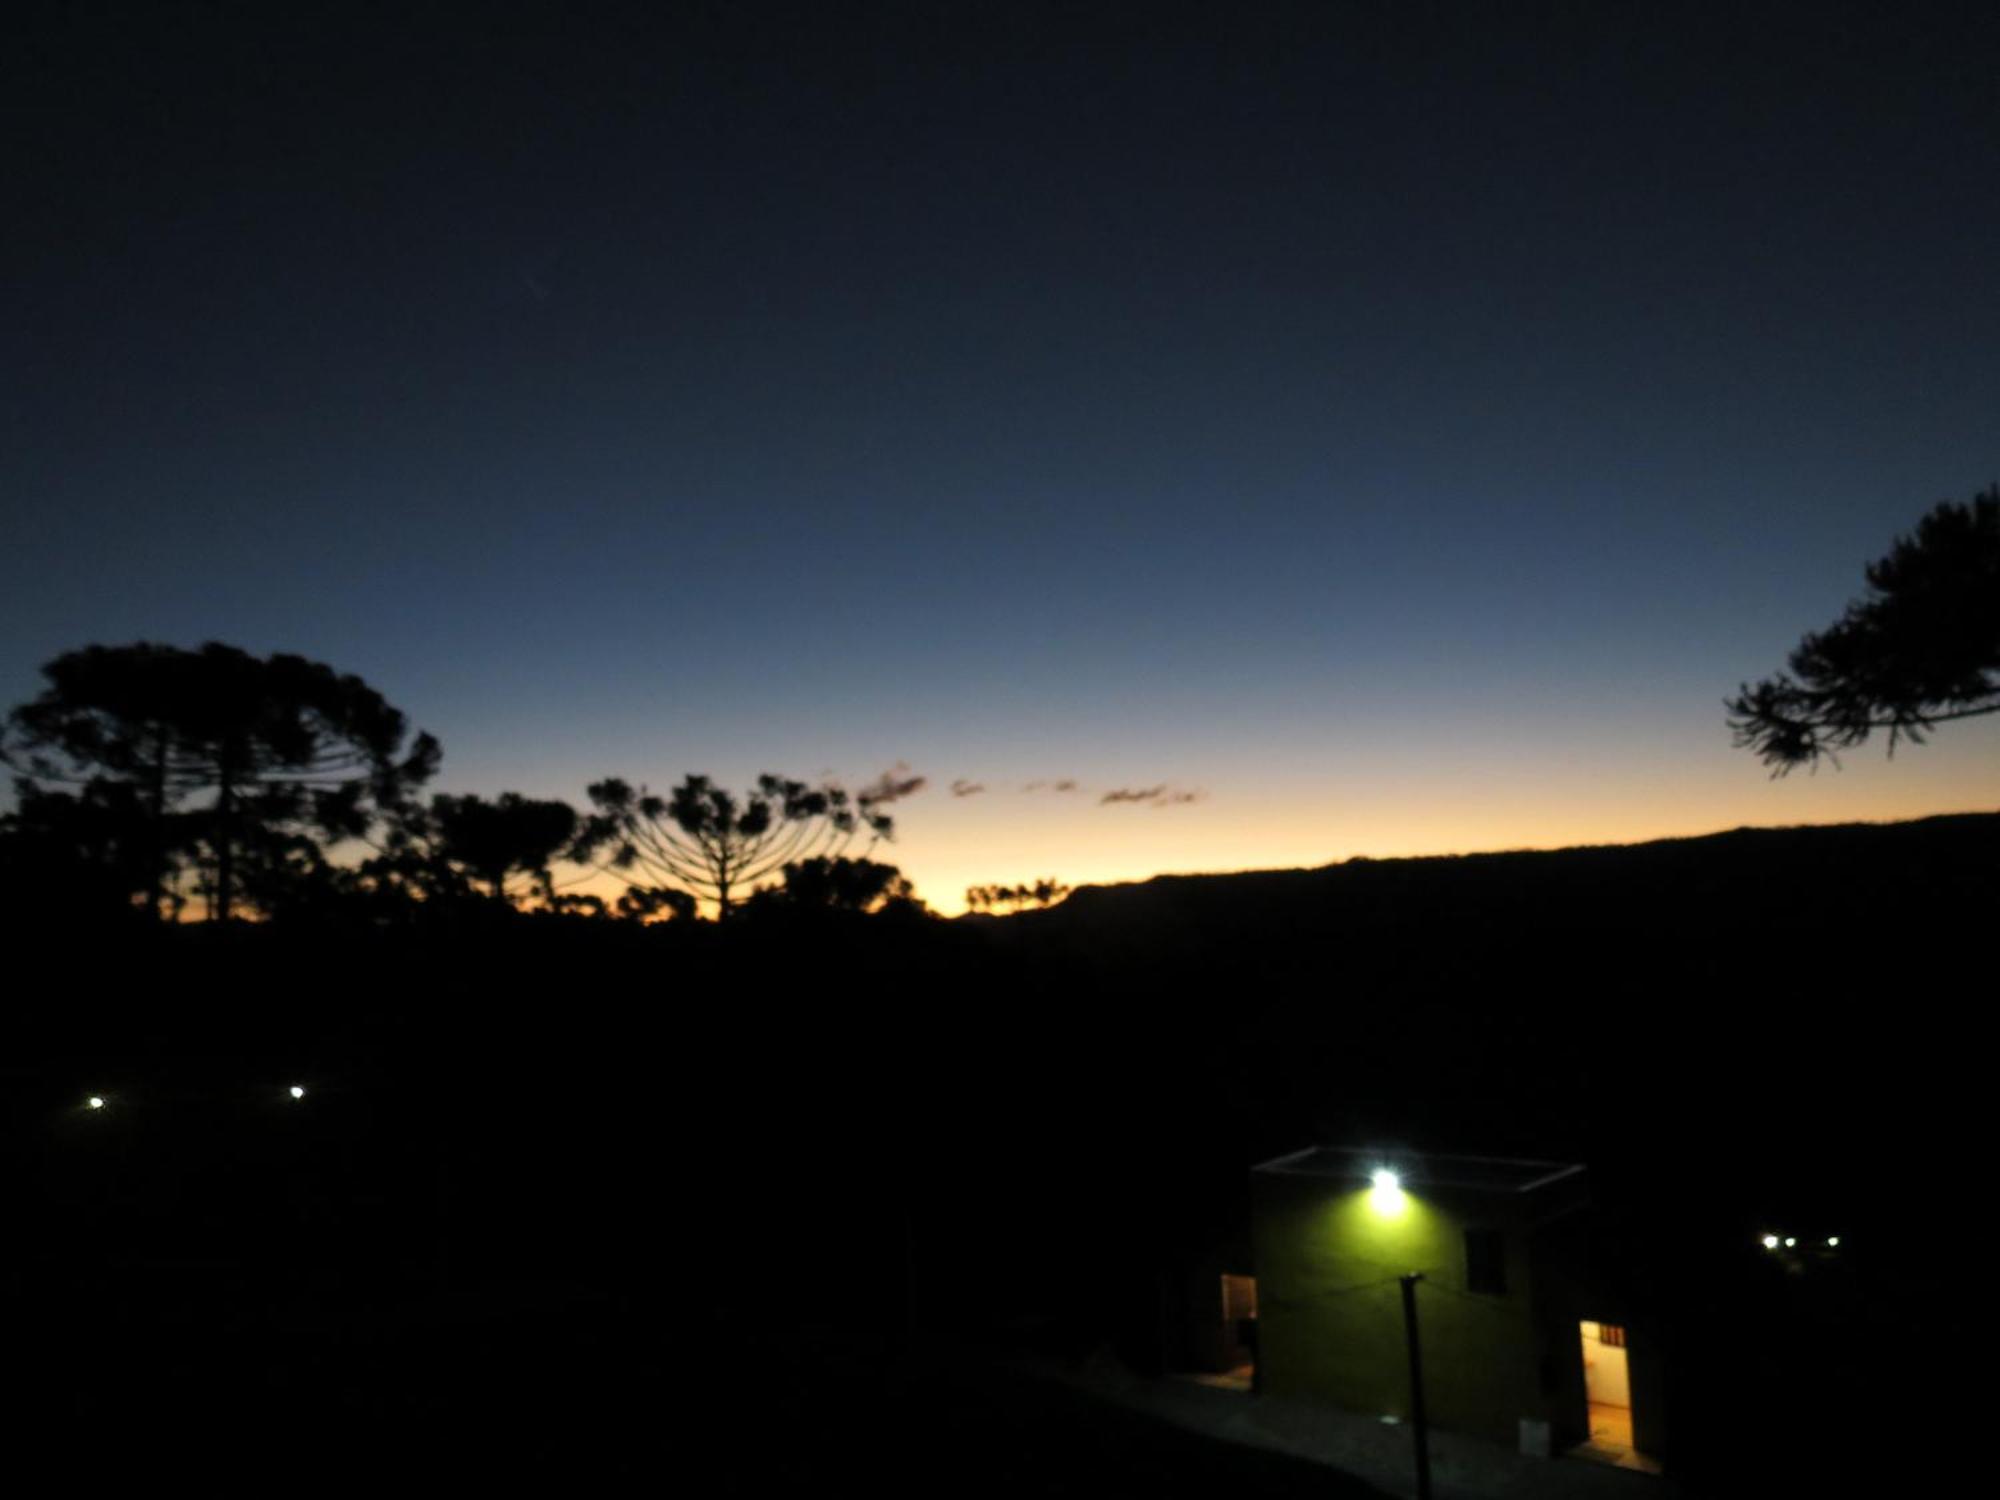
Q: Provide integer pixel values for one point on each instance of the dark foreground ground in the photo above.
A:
(561, 1203)
(558, 1389)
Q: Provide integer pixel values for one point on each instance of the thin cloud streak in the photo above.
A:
(892, 785)
(1153, 796)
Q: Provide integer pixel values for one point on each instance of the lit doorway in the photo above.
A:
(1607, 1384)
(1232, 1346)
(1239, 1326)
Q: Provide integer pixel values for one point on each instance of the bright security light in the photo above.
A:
(297, 1092)
(1833, 1242)
(1790, 1242)
(95, 1101)
(1770, 1242)
(1387, 1198)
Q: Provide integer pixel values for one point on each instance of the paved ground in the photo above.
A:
(1356, 1446)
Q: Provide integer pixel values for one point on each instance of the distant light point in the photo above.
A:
(1770, 1242)
(95, 1101)
(297, 1092)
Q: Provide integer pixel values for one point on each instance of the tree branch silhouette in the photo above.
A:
(1922, 649)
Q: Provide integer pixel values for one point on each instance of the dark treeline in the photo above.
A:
(164, 781)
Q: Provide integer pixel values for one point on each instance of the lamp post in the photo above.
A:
(910, 1304)
(1419, 1426)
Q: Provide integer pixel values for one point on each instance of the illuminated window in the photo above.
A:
(1612, 1334)
(1486, 1262)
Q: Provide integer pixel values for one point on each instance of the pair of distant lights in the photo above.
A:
(96, 1101)
(1790, 1242)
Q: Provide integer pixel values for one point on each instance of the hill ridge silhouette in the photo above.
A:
(1883, 836)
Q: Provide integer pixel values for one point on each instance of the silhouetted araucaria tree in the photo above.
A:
(232, 757)
(709, 843)
(460, 845)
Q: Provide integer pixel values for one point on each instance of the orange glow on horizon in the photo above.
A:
(944, 851)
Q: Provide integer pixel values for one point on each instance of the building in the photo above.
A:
(1515, 1346)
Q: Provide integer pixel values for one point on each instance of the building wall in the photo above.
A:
(1331, 1320)
(1191, 1315)
(1559, 1247)
(1647, 1367)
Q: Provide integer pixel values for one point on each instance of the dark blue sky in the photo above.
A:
(1400, 425)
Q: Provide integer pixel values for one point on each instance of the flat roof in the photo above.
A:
(1481, 1174)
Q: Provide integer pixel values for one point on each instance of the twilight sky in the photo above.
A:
(1398, 426)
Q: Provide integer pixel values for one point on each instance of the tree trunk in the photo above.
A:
(225, 840)
(156, 875)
